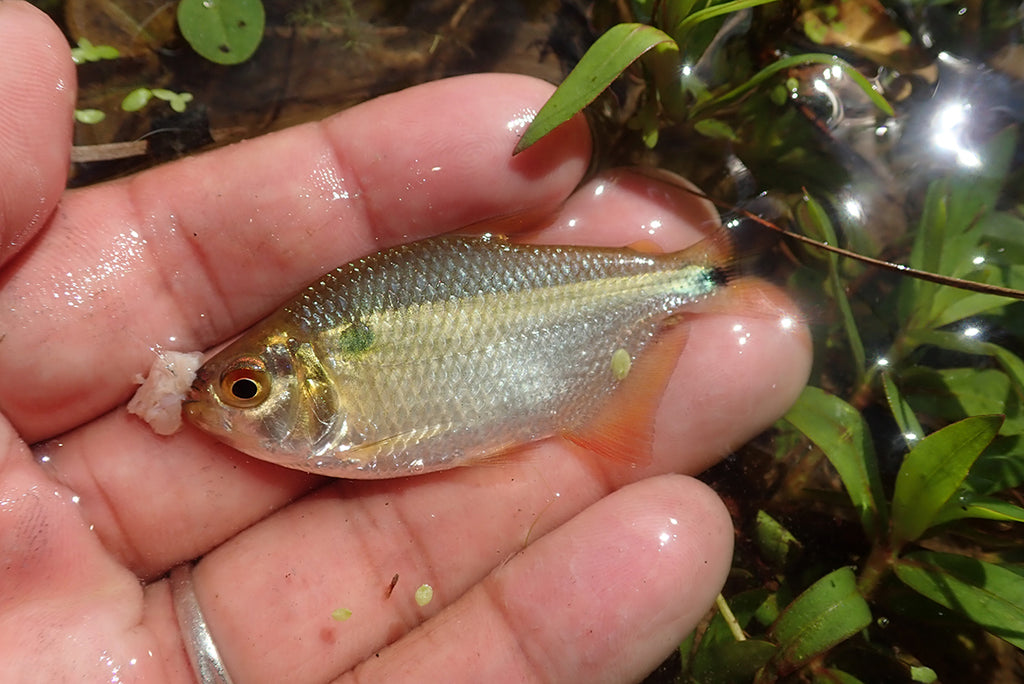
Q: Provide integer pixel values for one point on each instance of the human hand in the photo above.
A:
(551, 566)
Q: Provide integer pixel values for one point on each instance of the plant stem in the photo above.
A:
(876, 567)
(730, 619)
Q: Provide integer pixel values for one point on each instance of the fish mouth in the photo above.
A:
(192, 403)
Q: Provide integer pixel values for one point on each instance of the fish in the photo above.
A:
(454, 349)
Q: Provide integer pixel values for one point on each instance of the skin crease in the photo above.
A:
(548, 566)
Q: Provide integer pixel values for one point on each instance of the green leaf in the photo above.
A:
(89, 116)
(827, 613)
(920, 673)
(1000, 467)
(1011, 363)
(716, 129)
(178, 101)
(691, 20)
(736, 662)
(222, 31)
(989, 594)
(969, 505)
(816, 215)
(901, 411)
(840, 432)
(718, 645)
(788, 63)
(609, 56)
(136, 100)
(955, 393)
(87, 52)
(933, 471)
(774, 541)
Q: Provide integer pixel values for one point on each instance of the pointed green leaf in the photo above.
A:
(839, 431)
(774, 541)
(827, 613)
(609, 56)
(1011, 363)
(901, 411)
(989, 594)
(1000, 467)
(787, 63)
(817, 216)
(692, 19)
(933, 471)
(969, 505)
(955, 393)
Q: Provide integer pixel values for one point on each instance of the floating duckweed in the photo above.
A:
(341, 614)
(621, 363)
(424, 594)
(89, 116)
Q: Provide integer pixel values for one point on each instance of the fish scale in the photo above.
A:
(446, 351)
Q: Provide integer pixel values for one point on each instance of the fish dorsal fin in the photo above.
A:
(623, 427)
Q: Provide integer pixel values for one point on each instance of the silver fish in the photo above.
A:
(446, 351)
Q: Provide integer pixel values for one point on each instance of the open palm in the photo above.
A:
(552, 565)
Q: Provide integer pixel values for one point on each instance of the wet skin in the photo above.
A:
(552, 564)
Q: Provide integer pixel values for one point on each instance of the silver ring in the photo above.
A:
(202, 652)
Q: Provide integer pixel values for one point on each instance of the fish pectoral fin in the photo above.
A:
(409, 442)
(623, 427)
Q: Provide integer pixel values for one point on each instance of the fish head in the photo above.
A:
(269, 397)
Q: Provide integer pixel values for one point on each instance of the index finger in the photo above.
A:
(185, 255)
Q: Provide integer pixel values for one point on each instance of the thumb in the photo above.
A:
(38, 86)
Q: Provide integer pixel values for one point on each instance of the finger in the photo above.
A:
(38, 83)
(67, 610)
(143, 494)
(339, 547)
(185, 255)
(601, 598)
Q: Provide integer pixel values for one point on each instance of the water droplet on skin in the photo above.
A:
(521, 120)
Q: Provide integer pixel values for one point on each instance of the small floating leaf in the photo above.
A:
(178, 101)
(87, 52)
(222, 31)
(136, 100)
(89, 116)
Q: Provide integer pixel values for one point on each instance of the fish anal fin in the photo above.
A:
(623, 428)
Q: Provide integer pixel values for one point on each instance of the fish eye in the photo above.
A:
(246, 385)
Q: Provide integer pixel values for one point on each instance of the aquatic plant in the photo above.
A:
(886, 520)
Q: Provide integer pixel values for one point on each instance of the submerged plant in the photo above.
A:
(912, 442)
